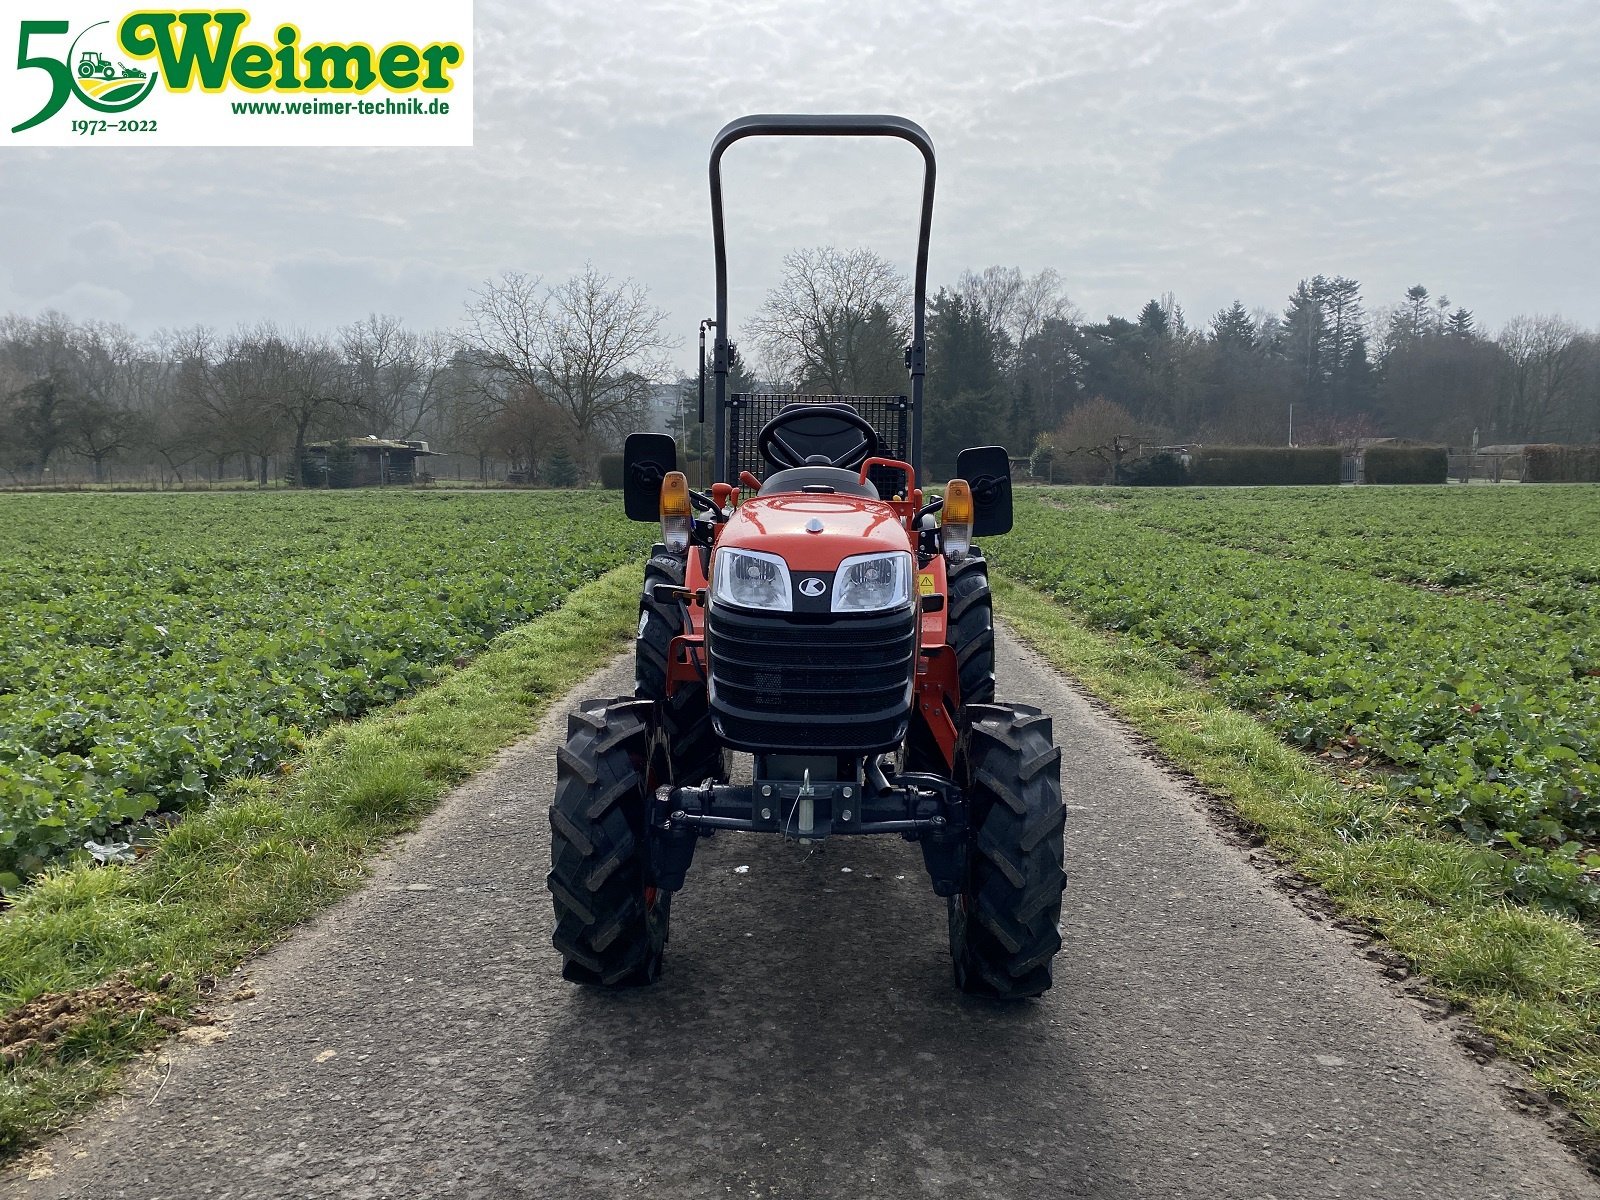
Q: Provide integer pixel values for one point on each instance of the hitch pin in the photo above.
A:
(808, 808)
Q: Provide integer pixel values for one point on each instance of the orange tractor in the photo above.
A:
(817, 612)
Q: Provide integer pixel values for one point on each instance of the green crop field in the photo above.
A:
(1444, 644)
(154, 646)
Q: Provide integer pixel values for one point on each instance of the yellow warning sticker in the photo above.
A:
(925, 584)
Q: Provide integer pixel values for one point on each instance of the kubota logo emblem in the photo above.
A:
(812, 586)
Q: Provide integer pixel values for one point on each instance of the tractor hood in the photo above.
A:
(788, 525)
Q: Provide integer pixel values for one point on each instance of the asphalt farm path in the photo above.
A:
(1205, 1037)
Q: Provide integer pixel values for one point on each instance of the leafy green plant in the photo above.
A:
(156, 646)
(1465, 690)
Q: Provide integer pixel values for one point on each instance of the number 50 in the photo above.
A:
(60, 76)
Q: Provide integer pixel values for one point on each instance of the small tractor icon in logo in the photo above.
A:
(94, 63)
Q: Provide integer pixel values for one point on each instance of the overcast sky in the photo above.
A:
(1214, 150)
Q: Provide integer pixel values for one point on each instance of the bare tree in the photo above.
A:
(66, 387)
(105, 413)
(314, 382)
(504, 329)
(431, 381)
(1093, 440)
(212, 414)
(176, 424)
(465, 416)
(589, 346)
(1018, 305)
(13, 385)
(397, 375)
(522, 430)
(381, 354)
(838, 323)
(40, 359)
(1542, 361)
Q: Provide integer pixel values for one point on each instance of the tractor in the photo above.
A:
(816, 611)
(94, 63)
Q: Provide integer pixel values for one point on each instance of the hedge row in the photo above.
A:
(1561, 464)
(1237, 466)
(1406, 464)
(1233, 466)
(611, 472)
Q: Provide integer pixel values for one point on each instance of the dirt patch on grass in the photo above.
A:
(44, 1022)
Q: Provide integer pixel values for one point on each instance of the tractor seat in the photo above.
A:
(818, 479)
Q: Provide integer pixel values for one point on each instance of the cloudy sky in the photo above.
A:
(1211, 149)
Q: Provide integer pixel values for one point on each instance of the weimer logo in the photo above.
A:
(269, 70)
(184, 42)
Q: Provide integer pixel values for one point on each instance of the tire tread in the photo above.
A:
(597, 871)
(1004, 928)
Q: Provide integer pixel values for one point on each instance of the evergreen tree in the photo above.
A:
(1350, 373)
(1460, 324)
(964, 352)
(1153, 320)
(1049, 373)
(559, 469)
(965, 401)
(1243, 383)
(1324, 340)
(1233, 329)
(1302, 340)
(1413, 319)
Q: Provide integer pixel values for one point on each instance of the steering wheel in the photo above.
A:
(781, 453)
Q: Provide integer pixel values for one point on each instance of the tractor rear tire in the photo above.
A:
(1004, 923)
(611, 927)
(696, 754)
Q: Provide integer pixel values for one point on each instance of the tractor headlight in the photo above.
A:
(751, 579)
(873, 582)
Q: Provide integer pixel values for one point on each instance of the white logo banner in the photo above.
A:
(282, 73)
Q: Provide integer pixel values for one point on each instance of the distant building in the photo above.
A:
(364, 462)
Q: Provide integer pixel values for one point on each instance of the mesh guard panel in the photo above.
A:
(748, 412)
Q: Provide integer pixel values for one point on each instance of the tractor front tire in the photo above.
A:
(696, 754)
(1004, 922)
(970, 627)
(969, 632)
(611, 926)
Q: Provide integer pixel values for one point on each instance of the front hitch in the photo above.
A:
(920, 808)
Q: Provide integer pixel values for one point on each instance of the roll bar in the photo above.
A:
(822, 125)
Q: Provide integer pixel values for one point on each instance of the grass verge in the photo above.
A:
(269, 853)
(1530, 979)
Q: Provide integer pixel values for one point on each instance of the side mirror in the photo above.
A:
(988, 470)
(646, 459)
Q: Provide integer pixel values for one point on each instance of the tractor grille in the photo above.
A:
(806, 687)
(889, 415)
